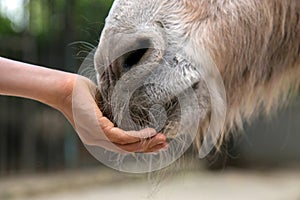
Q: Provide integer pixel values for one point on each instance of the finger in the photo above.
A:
(143, 134)
(158, 139)
(129, 148)
(157, 148)
(105, 123)
(114, 134)
(145, 146)
(119, 136)
(141, 148)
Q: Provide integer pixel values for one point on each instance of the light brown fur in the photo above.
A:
(256, 46)
(254, 43)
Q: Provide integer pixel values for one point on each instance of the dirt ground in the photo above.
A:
(98, 184)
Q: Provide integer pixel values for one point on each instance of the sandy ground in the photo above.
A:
(101, 184)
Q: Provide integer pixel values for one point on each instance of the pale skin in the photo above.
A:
(55, 88)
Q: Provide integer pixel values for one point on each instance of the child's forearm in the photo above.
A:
(42, 84)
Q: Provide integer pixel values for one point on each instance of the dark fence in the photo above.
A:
(34, 137)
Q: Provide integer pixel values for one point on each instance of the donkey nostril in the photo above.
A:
(134, 57)
(134, 51)
(137, 50)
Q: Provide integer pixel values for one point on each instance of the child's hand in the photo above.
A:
(94, 129)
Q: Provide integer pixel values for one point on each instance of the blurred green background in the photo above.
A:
(56, 34)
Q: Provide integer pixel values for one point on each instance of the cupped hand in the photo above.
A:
(94, 129)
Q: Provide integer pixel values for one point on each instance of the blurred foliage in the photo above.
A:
(5, 28)
(49, 16)
(53, 25)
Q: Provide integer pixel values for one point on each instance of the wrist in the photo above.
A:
(73, 86)
(64, 92)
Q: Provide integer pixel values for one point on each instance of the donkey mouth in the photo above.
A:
(142, 112)
(155, 103)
